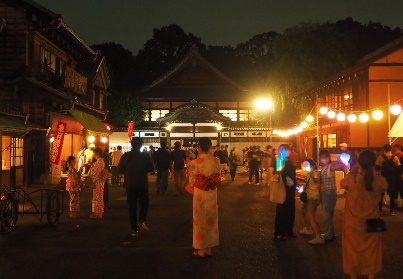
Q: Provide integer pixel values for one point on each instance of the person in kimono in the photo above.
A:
(204, 179)
(74, 187)
(98, 192)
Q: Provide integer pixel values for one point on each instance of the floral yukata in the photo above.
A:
(98, 191)
(74, 186)
(204, 177)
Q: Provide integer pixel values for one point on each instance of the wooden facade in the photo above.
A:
(45, 71)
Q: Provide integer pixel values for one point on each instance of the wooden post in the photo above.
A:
(1, 158)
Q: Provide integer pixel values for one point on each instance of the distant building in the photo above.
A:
(48, 74)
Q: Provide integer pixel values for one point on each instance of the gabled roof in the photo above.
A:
(93, 68)
(193, 74)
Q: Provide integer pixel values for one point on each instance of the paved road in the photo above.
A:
(103, 248)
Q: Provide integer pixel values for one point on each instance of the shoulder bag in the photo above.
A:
(277, 191)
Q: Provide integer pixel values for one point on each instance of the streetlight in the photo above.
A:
(265, 104)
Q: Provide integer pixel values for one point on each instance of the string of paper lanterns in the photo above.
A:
(352, 117)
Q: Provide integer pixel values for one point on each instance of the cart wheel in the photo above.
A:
(8, 214)
(53, 209)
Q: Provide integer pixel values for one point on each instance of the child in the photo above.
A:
(73, 186)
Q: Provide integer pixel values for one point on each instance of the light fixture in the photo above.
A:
(299, 129)
(347, 96)
(263, 104)
(91, 139)
(377, 114)
(323, 110)
(363, 117)
(331, 114)
(168, 127)
(104, 139)
(219, 127)
(352, 118)
(309, 119)
(52, 139)
(304, 124)
(108, 127)
(395, 109)
(341, 117)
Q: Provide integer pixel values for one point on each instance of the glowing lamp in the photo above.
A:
(345, 158)
(309, 119)
(219, 127)
(108, 127)
(352, 118)
(363, 117)
(377, 114)
(395, 109)
(341, 117)
(299, 129)
(104, 139)
(91, 139)
(263, 104)
(331, 114)
(304, 124)
(52, 139)
(323, 110)
(305, 166)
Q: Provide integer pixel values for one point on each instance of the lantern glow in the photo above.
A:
(341, 117)
(331, 114)
(363, 117)
(91, 139)
(377, 114)
(395, 109)
(309, 119)
(323, 110)
(352, 118)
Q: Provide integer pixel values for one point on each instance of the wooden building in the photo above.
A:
(49, 74)
(374, 83)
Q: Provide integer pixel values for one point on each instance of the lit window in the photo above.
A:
(244, 115)
(331, 140)
(230, 113)
(156, 113)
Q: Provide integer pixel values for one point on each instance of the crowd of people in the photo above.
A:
(201, 170)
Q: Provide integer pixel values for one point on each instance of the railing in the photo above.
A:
(75, 81)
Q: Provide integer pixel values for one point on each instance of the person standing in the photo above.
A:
(362, 250)
(293, 156)
(74, 187)
(389, 164)
(98, 192)
(162, 160)
(178, 162)
(397, 151)
(107, 160)
(328, 192)
(81, 157)
(234, 162)
(115, 159)
(285, 213)
(223, 156)
(135, 165)
(217, 151)
(204, 180)
(253, 166)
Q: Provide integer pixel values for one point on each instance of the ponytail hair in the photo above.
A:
(367, 160)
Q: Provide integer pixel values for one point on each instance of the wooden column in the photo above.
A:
(1, 158)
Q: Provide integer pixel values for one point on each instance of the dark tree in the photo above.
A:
(124, 108)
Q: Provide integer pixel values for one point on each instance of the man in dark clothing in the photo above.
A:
(253, 166)
(178, 159)
(260, 155)
(397, 151)
(135, 166)
(217, 151)
(223, 156)
(162, 160)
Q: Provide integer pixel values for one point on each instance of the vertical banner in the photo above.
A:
(130, 130)
(58, 143)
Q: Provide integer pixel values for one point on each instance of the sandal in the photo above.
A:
(197, 255)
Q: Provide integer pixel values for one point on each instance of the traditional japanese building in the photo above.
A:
(49, 74)
(375, 83)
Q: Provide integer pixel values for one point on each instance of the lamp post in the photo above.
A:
(266, 105)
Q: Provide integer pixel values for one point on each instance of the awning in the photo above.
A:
(12, 123)
(397, 129)
(90, 122)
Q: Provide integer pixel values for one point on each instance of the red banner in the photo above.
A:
(130, 130)
(57, 144)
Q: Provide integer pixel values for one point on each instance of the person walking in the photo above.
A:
(267, 164)
(389, 164)
(81, 157)
(95, 173)
(313, 200)
(115, 159)
(107, 160)
(135, 165)
(328, 192)
(204, 179)
(362, 250)
(162, 160)
(253, 166)
(285, 213)
(223, 156)
(234, 162)
(178, 162)
(397, 151)
(74, 187)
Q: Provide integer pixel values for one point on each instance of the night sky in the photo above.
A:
(217, 22)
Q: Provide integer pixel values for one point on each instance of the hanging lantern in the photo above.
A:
(363, 117)
(91, 139)
(377, 114)
(331, 114)
(309, 119)
(299, 129)
(341, 117)
(104, 139)
(323, 110)
(351, 118)
(304, 124)
(395, 109)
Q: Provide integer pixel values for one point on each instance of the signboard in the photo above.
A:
(225, 134)
(150, 134)
(57, 144)
(258, 134)
(239, 134)
(130, 129)
(75, 81)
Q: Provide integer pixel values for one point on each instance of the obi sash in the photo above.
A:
(206, 183)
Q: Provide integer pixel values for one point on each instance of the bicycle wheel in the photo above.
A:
(8, 214)
(53, 210)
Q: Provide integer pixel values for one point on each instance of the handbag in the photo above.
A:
(88, 183)
(277, 191)
(304, 196)
(376, 225)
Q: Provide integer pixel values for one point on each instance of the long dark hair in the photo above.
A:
(367, 160)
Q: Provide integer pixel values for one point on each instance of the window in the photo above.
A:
(101, 101)
(243, 115)
(146, 115)
(157, 113)
(17, 152)
(230, 113)
(61, 67)
(339, 101)
(331, 140)
(48, 60)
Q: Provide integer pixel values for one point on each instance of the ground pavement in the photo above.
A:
(104, 249)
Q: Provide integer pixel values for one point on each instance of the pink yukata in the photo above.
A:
(204, 176)
(98, 191)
